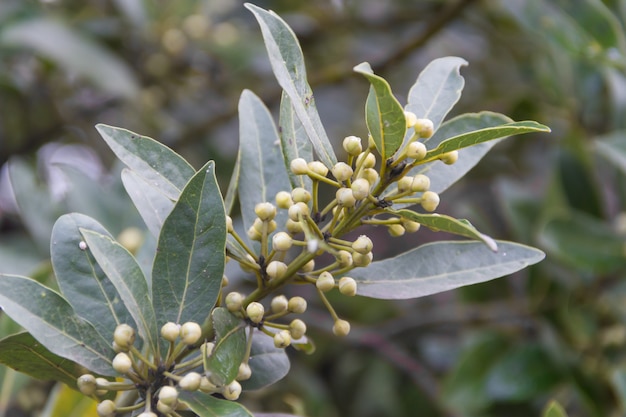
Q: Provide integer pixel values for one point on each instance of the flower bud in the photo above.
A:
(299, 166)
(124, 336)
(265, 211)
(131, 238)
(106, 408)
(281, 242)
(309, 266)
(297, 328)
(344, 258)
(254, 233)
(395, 230)
(318, 168)
(297, 305)
(342, 171)
(283, 199)
(345, 198)
(232, 391)
(359, 259)
(207, 386)
(410, 225)
(352, 145)
(233, 301)
(347, 286)
(279, 304)
(229, 224)
(282, 339)
(293, 227)
(430, 201)
(411, 118)
(404, 184)
(207, 348)
(122, 363)
(87, 384)
(147, 414)
(416, 150)
(224, 281)
(449, 158)
(341, 328)
(255, 312)
(369, 174)
(190, 382)
(168, 395)
(360, 188)
(366, 160)
(297, 210)
(325, 282)
(420, 183)
(276, 269)
(424, 128)
(244, 372)
(300, 195)
(102, 385)
(190, 332)
(363, 244)
(170, 331)
(164, 408)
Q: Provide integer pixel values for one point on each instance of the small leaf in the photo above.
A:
(288, 65)
(554, 409)
(25, 354)
(189, 263)
(123, 271)
(151, 160)
(269, 364)
(437, 89)
(295, 142)
(448, 224)
(205, 405)
(230, 347)
(383, 113)
(441, 266)
(50, 319)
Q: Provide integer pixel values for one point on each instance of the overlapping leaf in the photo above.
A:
(268, 363)
(230, 347)
(294, 140)
(208, 406)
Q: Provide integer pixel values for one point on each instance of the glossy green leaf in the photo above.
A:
(151, 160)
(383, 113)
(123, 271)
(230, 347)
(437, 89)
(294, 140)
(51, 320)
(74, 52)
(25, 354)
(613, 148)
(269, 364)
(205, 405)
(554, 409)
(441, 266)
(443, 223)
(81, 281)
(483, 135)
(263, 171)
(288, 65)
(189, 263)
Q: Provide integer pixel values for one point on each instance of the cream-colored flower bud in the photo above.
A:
(318, 168)
(352, 145)
(282, 339)
(244, 372)
(276, 269)
(366, 160)
(359, 259)
(325, 282)
(297, 328)
(254, 233)
(430, 201)
(265, 211)
(416, 150)
(207, 386)
(168, 395)
(420, 183)
(164, 408)
(410, 118)
(255, 312)
(124, 336)
(232, 391)
(410, 225)
(345, 198)
(342, 171)
(122, 363)
(106, 408)
(293, 227)
(246, 267)
(131, 238)
(271, 226)
(297, 305)
(449, 158)
(233, 301)
(309, 266)
(299, 166)
(190, 332)
(283, 200)
(279, 304)
(369, 174)
(347, 286)
(424, 128)
(360, 188)
(363, 244)
(281, 241)
(207, 348)
(341, 328)
(103, 386)
(297, 210)
(344, 258)
(170, 331)
(147, 414)
(190, 382)
(229, 224)
(224, 281)
(395, 230)
(300, 195)
(404, 184)
(87, 384)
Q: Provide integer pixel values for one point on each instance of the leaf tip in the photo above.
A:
(363, 68)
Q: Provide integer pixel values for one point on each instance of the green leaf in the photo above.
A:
(437, 89)
(483, 135)
(269, 364)
(51, 320)
(295, 142)
(233, 187)
(383, 113)
(74, 52)
(123, 271)
(554, 409)
(189, 263)
(613, 148)
(263, 171)
(81, 281)
(151, 160)
(205, 405)
(25, 354)
(443, 223)
(441, 266)
(230, 347)
(288, 65)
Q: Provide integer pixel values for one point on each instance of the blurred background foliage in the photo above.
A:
(174, 70)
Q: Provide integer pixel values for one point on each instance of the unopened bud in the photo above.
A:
(325, 282)
(122, 363)
(360, 188)
(283, 199)
(124, 336)
(430, 201)
(190, 382)
(424, 128)
(87, 384)
(229, 224)
(449, 158)
(233, 301)
(309, 266)
(293, 227)
(276, 269)
(297, 305)
(232, 391)
(416, 150)
(170, 331)
(297, 210)
(282, 339)
(345, 198)
(318, 168)
(299, 166)
(352, 145)
(367, 160)
(300, 195)
(255, 312)
(297, 328)
(244, 372)
(344, 258)
(190, 332)
(395, 230)
(279, 304)
(420, 183)
(106, 408)
(411, 118)
(341, 328)
(254, 234)
(168, 395)
(281, 242)
(404, 184)
(359, 259)
(363, 244)
(410, 225)
(342, 171)
(369, 174)
(347, 286)
(265, 211)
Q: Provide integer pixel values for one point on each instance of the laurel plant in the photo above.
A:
(178, 338)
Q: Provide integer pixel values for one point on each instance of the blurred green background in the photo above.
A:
(173, 70)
